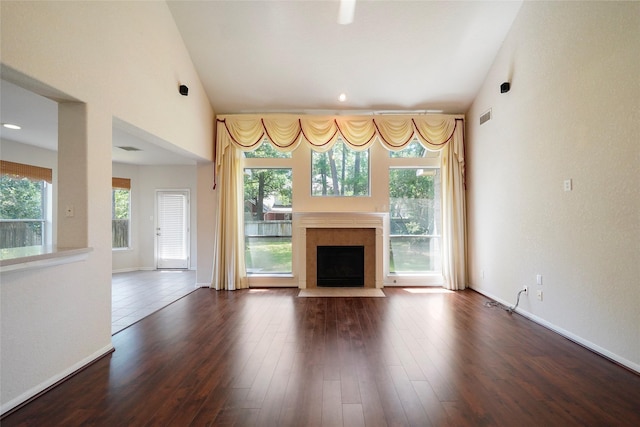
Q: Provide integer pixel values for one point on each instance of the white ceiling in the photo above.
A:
(293, 56)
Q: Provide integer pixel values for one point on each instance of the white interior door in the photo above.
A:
(172, 232)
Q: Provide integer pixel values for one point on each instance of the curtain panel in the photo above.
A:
(246, 132)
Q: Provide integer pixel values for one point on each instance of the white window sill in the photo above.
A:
(31, 257)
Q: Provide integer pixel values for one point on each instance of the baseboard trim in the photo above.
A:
(627, 364)
(37, 391)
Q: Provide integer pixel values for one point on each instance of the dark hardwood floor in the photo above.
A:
(265, 357)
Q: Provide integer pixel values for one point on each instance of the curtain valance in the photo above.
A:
(286, 132)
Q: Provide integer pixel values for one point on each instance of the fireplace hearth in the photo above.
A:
(340, 266)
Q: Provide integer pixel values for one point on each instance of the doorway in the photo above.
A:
(172, 229)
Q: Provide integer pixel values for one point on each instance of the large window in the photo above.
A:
(340, 171)
(415, 220)
(266, 151)
(24, 205)
(267, 220)
(120, 213)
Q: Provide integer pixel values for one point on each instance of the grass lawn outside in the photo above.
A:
(409, 254)
(268, 254)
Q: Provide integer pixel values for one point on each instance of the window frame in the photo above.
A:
(428, 278)
(120, 184)
(270, 279)
(44, 177)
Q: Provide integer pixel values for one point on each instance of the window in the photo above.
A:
(340, 171)
(267, 220)
(120, 213)
(414, 150)
(24, 207)
(266, 151)
(415, 220)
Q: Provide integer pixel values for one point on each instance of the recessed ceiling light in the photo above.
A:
(11, 126)
(342, 97)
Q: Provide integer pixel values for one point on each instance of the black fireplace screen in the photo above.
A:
(340, 266)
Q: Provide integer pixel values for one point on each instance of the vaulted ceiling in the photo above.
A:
(293, 56)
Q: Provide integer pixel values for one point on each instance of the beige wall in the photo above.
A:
(120, 60)
(572, 113)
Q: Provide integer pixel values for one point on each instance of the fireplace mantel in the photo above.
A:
(379, 221)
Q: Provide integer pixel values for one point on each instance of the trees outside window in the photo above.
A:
(413, 194)
(121, 213)
(267, 220)
(415, 220)
(22, 211)
(340, 171)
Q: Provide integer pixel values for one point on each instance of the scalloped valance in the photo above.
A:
(286, 132)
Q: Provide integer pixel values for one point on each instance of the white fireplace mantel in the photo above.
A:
(375, 220)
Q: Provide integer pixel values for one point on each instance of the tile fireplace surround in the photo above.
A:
(341, 228)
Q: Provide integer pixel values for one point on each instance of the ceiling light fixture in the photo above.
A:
(342, 97)
(11, 126)
(346, 12)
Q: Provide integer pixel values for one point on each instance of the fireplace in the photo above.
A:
(340, 266)
(340, 229)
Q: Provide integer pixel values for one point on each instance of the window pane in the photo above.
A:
(414, 150)
(415, 219)
(267, 220)
(121, 202)
(340, 171)
(22, 208)
(266, 151)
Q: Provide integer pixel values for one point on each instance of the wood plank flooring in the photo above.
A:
(265, 357)
(136, 294)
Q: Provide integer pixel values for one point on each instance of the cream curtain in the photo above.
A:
(246, 132)
(454, 235)
(228, 263)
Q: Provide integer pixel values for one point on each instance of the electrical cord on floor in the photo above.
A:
(509, 310)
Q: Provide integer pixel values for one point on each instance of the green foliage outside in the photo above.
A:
(413, 150)
(411, 254)
(340, 171)
(262, 184)
(21, 198)
(120, 208)
(120, 203)
(267, 151)
(411, 202)
(268, 254)
(411, 198)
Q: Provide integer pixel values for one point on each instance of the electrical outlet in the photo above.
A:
(539, 295)
(567, 185)
(526, 290)
(539, 279)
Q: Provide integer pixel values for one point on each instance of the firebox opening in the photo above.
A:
(340, 266)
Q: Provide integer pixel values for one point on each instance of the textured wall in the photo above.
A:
(572, 113)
